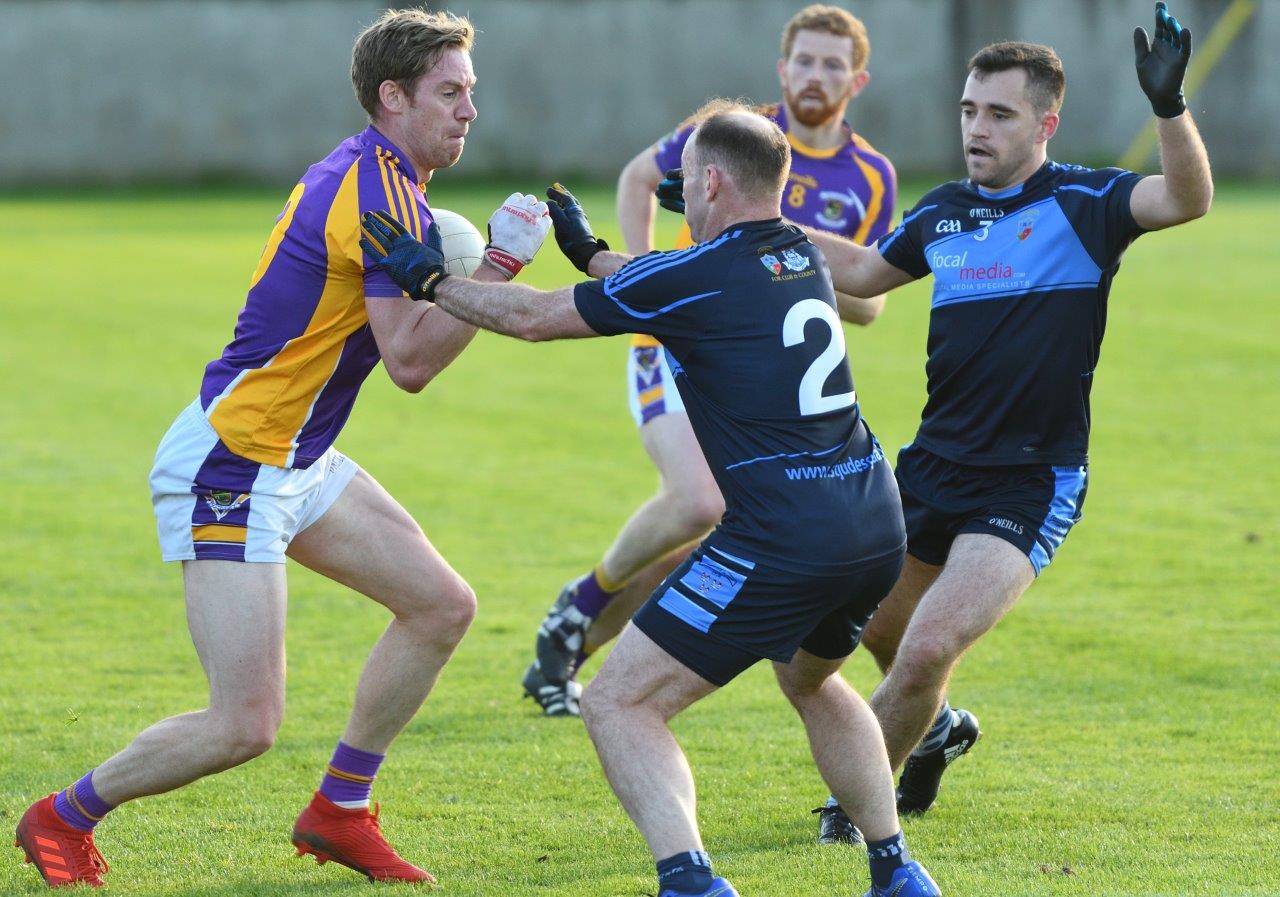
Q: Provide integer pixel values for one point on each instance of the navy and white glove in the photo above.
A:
(573, 230)
(516, 232)
(1162, 64)
(670, 191)
(417, 268)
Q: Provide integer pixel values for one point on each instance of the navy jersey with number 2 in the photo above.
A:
(749, 324)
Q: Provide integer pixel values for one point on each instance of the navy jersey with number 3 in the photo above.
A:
(749, 324)
(1020, 284)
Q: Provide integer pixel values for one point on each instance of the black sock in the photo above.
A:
(689, 872)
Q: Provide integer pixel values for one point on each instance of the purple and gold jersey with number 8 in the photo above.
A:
(850, 190)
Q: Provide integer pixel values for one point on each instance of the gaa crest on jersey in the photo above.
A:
(1027, 223)
(770, 261)
(794, 260)
(222, 502)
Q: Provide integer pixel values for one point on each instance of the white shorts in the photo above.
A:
(212, 504)
(651, 388)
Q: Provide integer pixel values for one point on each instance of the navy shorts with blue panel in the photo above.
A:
(1030, 506)
(719, 614)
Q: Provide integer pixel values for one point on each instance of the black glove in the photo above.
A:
(670, 191)
(1162, 64)
(417, 268)
(573, 230)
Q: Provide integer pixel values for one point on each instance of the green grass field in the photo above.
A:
(1129, 703)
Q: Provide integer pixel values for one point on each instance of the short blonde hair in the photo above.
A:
(829, 20)
(402, 46)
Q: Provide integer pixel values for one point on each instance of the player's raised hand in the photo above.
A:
(516, 232)
(416, 268)
(670, 191)
(1162, 63)
(573, 230)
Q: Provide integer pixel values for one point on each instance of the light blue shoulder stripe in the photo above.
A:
(1101, 191)
(903, 226)
(645, 315)
(637, 271)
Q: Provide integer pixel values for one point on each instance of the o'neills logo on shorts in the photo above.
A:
(1005, 523)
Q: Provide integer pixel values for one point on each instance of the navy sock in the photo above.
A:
(936, 737)
(885, 857)
(689, 872)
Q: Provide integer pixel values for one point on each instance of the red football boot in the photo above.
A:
(64, 855)
(353, 839)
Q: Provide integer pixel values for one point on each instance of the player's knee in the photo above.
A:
(881, 643)
(249, 732)
(442, 611)
(601, 701)
(926, 656)
(699, 509)
(458, 610)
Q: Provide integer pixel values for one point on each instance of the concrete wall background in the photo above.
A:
(121, 91)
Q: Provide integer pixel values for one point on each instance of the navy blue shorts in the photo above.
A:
(718, 614)
(1030, 506)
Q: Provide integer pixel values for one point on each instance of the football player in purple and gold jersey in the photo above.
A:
(248, 473)
(837, 182)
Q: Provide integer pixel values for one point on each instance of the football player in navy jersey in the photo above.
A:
(812, 537)
(1022, 254)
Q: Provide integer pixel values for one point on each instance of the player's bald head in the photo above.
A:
(749, 148)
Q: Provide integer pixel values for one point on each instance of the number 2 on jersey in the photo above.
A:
(812, 401)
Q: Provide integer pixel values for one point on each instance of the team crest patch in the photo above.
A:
(1027, 223)
(794, 260)
(770, 261)
(222, 502)
(833, 210)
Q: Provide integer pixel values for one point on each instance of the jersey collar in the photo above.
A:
(376, 139)
(806, 150)
(1016, 189)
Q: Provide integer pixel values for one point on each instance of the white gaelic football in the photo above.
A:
(463, 245)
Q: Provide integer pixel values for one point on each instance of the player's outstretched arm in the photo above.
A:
(858, 309)
(1184, 189)
(857, 270)
(507, 308)
(635, 200)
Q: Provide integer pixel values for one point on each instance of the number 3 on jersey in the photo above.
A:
(812, 401)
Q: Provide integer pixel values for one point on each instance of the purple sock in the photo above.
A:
(349, 779)
(592, 593)
(80, 806)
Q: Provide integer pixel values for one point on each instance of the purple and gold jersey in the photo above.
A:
(849, 190)
(284, 386)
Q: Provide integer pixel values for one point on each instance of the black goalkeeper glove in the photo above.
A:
(1162, 64)
(417, 268)
(670, 191)
(573, 230)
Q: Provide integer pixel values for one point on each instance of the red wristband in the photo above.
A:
(504, 260)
